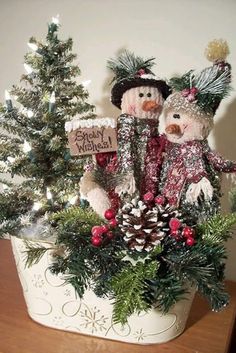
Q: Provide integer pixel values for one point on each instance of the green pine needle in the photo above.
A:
(129, 287)
(34, 252)
(217, 229)
(127, 65)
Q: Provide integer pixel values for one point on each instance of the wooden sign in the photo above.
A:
(92, 140)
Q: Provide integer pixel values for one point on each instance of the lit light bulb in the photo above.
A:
(48, 194)
(52, 98)
(5, 187)
(73, 200)
(86, 83)
(55, 20)
(30, 113)
(37, 206)
(28, 69)
(11, 159)
(33, 46)
(7, 95)
(52, 101)
(8, 100)
(26, 147)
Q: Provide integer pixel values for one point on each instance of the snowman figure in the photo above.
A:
(190, 170)
(140, 96)
(135, 166)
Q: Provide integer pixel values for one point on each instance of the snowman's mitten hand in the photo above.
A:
(206, 188)
(98, 200)
(195, 189)
(87, 184)
(127, 186)
(192, 193)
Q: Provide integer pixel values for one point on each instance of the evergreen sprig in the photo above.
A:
(129, 287)
(180, 83)
(127, 65)
(82, 263)
(34, 252)
(217, 229)
(165, 291)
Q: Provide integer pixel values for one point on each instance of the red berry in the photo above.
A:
(105, 228)
(185, 92)
(109, 214)
(97, 231)
(194, 90)
(188, 232)
(110, 235)
(96, 241)
(101, 160)
(148, 197)
(190, 241)
(159, 200)
(175, 234)
(174, 223)
(113, 222)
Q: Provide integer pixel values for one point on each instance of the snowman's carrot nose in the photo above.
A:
(173, 129)
(147, 106)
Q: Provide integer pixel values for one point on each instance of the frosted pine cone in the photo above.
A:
(144, 227)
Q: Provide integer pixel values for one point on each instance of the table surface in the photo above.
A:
(206, 332)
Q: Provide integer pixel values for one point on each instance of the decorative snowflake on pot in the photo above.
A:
(145, 223)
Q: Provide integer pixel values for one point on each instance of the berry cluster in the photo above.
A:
(100, 233)
(182, 233)
(149, 198)
(178, 231)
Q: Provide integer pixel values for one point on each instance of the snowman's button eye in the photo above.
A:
(141, 94)
(149, 94)
(176, 116)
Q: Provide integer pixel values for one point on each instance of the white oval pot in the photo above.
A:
(52, 303)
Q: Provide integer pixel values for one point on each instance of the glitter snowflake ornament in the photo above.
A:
(143, 227)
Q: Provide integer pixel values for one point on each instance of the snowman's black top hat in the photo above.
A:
(132, 71)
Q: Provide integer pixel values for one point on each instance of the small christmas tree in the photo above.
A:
(34, 144)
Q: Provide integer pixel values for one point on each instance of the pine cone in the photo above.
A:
(144, 227)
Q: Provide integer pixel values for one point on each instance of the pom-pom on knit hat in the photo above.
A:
(133, 71)
(199, 94)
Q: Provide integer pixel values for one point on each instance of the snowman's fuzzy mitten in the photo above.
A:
(127, 186)
(195, 189)
(87, 184)
(98, 200)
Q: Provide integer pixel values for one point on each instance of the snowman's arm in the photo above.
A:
(195, 189)
(219, 163)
